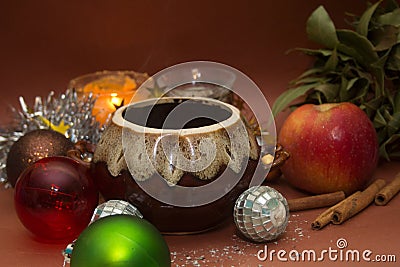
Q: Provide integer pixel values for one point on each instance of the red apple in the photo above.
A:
(332, 147)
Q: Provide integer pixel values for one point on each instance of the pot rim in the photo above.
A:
(119, 120)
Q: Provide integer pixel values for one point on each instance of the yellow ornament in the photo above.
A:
(61, 127)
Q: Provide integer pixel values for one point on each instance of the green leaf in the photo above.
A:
(379, 120)
(363, 24)
(307, 73)
(378, 70)
(330, 91)
(344, 57)
(391, 18)
(386, 113)
(344, 94)
(393, 61)
(385, 37)
(357, 71)
(385, 146)
(360, 66)
(315, 52)
(383, 153)
(391, 5)
(396, 102)
(357, 46)
(288, 96)
(321, 29)
(394, 154)
(311, 79)
(332, 62)
(361, 86)
(351, 83)
(394, 124)
(371, 106)
(323, 53)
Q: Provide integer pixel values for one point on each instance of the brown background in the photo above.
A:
(44, 44)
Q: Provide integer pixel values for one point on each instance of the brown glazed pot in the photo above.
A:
(130, 153)
(170, 219)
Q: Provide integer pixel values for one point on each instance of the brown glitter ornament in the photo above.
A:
(33, 146)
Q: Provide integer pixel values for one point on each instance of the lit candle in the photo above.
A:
(112, 90)
(107, 103)
(115, 100)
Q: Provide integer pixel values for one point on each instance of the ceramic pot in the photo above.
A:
(181, 161)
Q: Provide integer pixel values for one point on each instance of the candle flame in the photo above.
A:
(116, 101)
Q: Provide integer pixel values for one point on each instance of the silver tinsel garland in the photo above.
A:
(72, 112)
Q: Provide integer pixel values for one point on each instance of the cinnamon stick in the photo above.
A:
(326, 217)
(318, 201)
(358, 203)
(388, 192)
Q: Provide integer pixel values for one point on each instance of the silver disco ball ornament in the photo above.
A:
(261, 213)
(113, 207)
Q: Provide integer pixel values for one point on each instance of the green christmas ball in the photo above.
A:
(120, 240)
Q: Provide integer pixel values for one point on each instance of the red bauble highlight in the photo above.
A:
(55, 198)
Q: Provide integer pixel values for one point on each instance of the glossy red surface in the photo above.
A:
(333, 148)
(55, 198)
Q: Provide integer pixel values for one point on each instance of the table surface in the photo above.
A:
(376, 229)
(46, 43)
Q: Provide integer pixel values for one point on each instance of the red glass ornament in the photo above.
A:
(55, 198)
